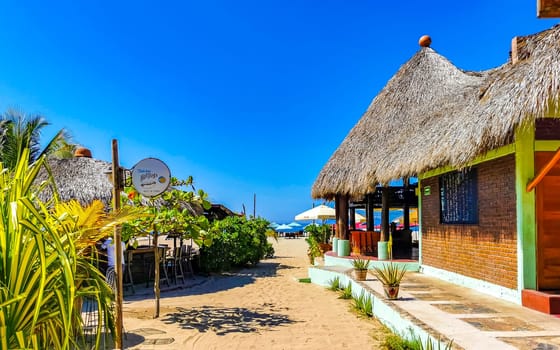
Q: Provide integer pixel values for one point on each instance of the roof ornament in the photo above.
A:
(425, 41)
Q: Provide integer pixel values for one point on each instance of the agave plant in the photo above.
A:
(390, 274)
(360, 264)
(46, 266)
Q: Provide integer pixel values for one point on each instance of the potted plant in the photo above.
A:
(360, 268)
(390, 275)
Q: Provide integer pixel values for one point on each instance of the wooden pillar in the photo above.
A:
(342, 218)
(117, 186)
(352, 218)
(406, 209)
(369, 212)
(384, 213)
(337, 214)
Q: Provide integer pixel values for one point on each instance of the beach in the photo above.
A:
(265, 307)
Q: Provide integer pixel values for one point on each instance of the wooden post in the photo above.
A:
(384, 213)
(369, 213)
(117, 186)
(406, 208)
(156, 273)
(337, 215)
(353, 218)
(342, 220)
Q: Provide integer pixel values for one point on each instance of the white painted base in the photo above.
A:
(494, 290)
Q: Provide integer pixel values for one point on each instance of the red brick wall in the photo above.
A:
(488, 250)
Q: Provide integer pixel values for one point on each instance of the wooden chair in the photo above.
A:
(162, 262)
(188, 261)
(127, 279)
(174, 262)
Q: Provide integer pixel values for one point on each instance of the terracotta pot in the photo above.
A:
(360, 275)
(325, 247)
(391, 292)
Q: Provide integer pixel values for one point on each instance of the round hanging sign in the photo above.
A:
(151, 177)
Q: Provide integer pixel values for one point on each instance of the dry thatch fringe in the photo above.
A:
(85, 180)
(79, 178)
(432, 114)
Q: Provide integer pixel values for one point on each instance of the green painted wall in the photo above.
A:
(526, 211)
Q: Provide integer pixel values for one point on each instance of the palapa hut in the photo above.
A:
(85, 179)
(475, 140)
(81, 177)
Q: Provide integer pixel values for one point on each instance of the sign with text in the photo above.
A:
(151, 177)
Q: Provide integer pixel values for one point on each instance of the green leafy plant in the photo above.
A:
(236, 242)
(314, 250)
(334, 284)
(346, 292)
(363, 304)
(360, 264)
(319, 233)
(48, 264)
(390, 274)
(396, 341)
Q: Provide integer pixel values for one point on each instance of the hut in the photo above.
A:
(85, 179)
(474, 140)
(81, 177)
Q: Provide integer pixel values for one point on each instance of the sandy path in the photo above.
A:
(260, 308)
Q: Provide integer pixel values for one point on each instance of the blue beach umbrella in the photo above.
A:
(284, 228)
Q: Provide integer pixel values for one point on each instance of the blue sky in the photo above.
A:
(248, 97)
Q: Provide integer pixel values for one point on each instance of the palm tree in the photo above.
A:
(19, 131)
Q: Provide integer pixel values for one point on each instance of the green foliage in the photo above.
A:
(396, 341)
(334, 284)
(360, 264)
(21, 132)
(174, 216)
(390, 274)
(346, 292)
(236, 242)
(319, 233)
(363, 304)
(47, 264)
(304, 280)
(314, 250)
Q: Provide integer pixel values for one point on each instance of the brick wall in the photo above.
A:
(488, 250)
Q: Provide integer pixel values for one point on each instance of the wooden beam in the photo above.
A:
(544, 171)
(548, 8)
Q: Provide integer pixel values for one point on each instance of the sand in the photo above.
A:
(258, 308)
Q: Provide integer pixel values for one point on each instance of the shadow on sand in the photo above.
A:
(211, 284)
(227, 320)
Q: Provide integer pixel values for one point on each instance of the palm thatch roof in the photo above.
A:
(85, 179)
(433, 114)
(79, 178)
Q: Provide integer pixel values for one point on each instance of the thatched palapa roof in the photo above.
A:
(79, 178)
(433, 114)
(85, 179)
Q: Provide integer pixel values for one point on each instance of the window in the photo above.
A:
(458, 197)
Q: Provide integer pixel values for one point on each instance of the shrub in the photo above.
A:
(236, 242)
(334, 284)
(363, 304)
(390, 274)
(360, 264)
(346, 292)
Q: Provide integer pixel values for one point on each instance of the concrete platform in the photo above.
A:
(430, 307)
